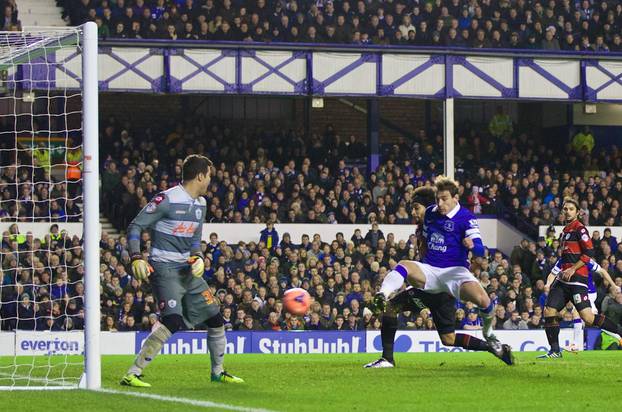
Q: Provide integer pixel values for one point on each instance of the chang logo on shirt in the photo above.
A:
(182, 228)
(437, 243)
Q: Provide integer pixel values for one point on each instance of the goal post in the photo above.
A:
(49, 175)
(90, 120)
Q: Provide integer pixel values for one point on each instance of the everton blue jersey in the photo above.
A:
(444, 236)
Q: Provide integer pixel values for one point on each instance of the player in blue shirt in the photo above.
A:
(450, 233)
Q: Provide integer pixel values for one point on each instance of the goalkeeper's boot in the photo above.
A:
(225, 377)
(134, 381)
(505, 354)
(380, 363)
(551, 355)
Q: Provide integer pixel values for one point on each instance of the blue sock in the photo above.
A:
(489, 308)
(402, 271)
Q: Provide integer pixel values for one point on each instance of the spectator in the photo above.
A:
(472, 321)
(612, 307)
(501, 124)
(374, 235)
(269, 236)
(515, 322)
(583, 141)
(550, 42)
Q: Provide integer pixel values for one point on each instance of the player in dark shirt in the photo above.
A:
(571, 284)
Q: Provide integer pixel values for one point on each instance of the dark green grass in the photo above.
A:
(427, 382)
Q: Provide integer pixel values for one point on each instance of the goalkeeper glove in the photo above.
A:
(197, 266)
(379, 303)
(140, 268)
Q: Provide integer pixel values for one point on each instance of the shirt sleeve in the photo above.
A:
(587, 250)
(146, 218)
(471, 230)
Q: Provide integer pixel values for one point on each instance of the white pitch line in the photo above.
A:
(187, 401)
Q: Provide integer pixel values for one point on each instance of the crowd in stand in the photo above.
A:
(42, 282)
(563, 25)
(34, 183)
(282, 177)
(279, 176)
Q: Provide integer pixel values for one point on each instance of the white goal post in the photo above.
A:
(49, 173)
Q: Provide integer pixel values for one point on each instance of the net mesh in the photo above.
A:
(41, 256)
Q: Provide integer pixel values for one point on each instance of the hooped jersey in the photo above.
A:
(176, 223)
(576, 246)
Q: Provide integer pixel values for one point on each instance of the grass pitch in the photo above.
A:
(587, 381)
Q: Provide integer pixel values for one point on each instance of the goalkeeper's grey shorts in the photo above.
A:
(177, 292)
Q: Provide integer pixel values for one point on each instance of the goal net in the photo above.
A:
(43, 255)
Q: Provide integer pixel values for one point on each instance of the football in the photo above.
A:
(296, 301)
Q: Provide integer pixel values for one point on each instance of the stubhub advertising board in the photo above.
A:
(346, 342)
(265, 342)
(129, 343)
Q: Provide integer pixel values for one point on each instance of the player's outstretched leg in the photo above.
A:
(405, 270)
(474, 292)
(216, 344)
(463, 340)
(600, 321)
(387, 334)
(151, 347)
(487, 314)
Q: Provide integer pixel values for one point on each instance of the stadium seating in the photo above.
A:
(582, 26)
(303, 182)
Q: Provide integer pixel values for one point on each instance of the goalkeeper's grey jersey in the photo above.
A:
(176, 222)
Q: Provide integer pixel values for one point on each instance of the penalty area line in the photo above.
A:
(187, 401)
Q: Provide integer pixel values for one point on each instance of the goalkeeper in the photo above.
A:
(176, 266)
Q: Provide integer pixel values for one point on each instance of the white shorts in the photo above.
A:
(592, 297)
(445, 279)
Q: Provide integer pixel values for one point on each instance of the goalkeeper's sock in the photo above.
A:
(216, 343)
(387, 333)
(394, 280)
(151, 347)
(577, 332)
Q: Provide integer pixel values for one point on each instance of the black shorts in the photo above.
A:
(562, 293)
(442, 307)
